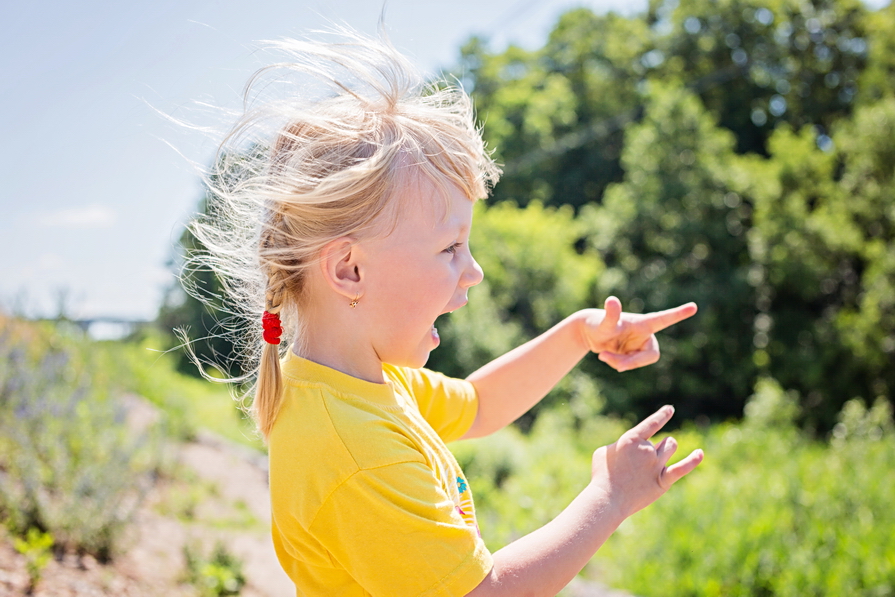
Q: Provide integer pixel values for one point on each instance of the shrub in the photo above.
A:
(37, 549)
(69, 464)
(215, 576)
(770, 512)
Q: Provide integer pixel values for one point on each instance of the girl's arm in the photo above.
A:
(511, 384)
(626, 477)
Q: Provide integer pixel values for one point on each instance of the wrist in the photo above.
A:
(585, 321)
(607, 504)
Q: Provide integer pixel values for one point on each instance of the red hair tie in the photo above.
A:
(272, 330)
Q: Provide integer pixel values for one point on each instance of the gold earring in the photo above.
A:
(353, 303)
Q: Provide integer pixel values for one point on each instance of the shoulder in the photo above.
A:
(423, 383)
(450, 405)
(322, 438)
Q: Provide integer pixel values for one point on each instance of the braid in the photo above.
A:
(269, 387)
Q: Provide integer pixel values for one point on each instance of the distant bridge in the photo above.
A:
(108, 327)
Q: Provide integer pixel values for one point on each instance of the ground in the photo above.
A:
(217, 492)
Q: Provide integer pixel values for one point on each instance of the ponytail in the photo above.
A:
(269, 386)
(268, 390)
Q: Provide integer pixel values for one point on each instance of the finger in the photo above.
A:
(653, 423)
(613, 310)
(612, 359)
(674, 472)
(663, 319)
(647, 355)
(666, 449)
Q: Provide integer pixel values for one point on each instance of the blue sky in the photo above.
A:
(94, 196)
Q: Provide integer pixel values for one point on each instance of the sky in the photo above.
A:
(97, 181)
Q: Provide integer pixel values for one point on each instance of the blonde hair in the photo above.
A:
(326, 139)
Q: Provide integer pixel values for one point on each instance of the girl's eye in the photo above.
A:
(453, 248)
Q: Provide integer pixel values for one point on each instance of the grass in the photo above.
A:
(76, 458)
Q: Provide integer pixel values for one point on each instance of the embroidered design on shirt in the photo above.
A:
(464, 507)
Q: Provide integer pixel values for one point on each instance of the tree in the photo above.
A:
(197, 305)
(674, 231)
(556, 116)
(758, 63)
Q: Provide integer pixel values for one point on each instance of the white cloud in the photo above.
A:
(90, 216)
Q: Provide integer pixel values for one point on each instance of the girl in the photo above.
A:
(340, 223)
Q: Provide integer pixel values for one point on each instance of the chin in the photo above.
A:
(417, 361)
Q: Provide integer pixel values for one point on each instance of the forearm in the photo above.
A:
(511, 384)
(545, 561)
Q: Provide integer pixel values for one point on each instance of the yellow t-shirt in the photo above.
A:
(366, 497)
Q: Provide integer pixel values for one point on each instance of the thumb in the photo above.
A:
(613, 309)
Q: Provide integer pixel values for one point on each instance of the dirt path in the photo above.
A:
(218, 493)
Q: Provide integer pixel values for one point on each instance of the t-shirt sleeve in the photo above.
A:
(448, 404)
(400, 534)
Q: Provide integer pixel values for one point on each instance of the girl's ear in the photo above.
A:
(340, 266)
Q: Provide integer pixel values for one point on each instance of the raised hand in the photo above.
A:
(627, 340)
(633, 470)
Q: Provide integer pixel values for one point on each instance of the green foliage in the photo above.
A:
(758, 63)
(217, 575)
(672, 232)
(770, 406)
(77, 449)
(555, 116)
(867, 321)
(737, 154)
(37, 547)
(878, 79)
(69, 464)
(770, 511)
(857, 422)
(187, 403)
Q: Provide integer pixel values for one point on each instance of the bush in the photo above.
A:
(769, 512)
(69, 464)
(215, 576)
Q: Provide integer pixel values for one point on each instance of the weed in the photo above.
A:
(215, 576)
(36, 546)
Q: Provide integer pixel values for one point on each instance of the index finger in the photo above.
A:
(663, 319)
(653, 423)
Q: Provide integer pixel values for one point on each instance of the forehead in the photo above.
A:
(424, 214)
(440, 204)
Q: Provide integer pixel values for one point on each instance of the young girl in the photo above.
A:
(341, 223)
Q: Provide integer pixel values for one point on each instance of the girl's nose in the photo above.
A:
(473, 274)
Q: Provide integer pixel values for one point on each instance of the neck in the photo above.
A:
(337, 341)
